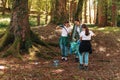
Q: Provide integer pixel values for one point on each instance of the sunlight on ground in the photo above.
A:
(2, 30)
(4, 19)
(101, 28)
(107, 55)
(47, 62)
(32, 52)
(118, 40)
(2, 67)
(51, 36)
(103, 49)
(107, 31)
(58, 71)
(117, 29)
(42, 37)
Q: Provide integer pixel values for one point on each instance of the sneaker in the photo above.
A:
(76, 59)
(63, 58)
(86, 68)
(81, 66)
(66, 58)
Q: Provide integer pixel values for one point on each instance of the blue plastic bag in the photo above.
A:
(74, 47)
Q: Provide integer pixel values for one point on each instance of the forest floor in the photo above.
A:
(104, 62)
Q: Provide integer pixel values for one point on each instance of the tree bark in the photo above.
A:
(95, 11)
(85, 11)
(78, 14)
(19, 35)
(89, 12)
(3, 5)
(102, 13)
(38, 19)
(73, 7)
(114, 13)
(60, 12)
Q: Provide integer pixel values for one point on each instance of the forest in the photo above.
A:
(29, 41)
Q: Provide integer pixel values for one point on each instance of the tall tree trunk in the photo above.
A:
(46, 16)
(60, 12)
(38, 19)
(95, 11)
(78, 14)
(114, 12)
(72, 9)
(102, 13)
(4, 6)
(89, 11)
(29, 4)
(18, 35)
(85, 11)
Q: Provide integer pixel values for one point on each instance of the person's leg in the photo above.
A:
(65, 52)
(62, 50)
(77, 51)
(81, 60)
(86, 60)
(77, 57)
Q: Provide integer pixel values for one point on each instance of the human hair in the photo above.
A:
(66, 22)
(86, 29)
(77, 20)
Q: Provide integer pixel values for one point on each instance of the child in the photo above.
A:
(85, 47)
(76, 36)
(64, 41)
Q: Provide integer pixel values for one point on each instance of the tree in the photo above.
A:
(95, 10)
(102, 13)
(114, 12)
(90, 11)
(59, 13)
(4, 6)
(19, 35)
(85, 11)
(78, 14)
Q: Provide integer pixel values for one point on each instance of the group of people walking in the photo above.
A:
(80, 43)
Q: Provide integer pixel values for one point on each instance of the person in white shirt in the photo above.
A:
(64, 40)
(85, 47)
(75, 37)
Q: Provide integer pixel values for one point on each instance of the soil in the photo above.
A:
(103, 62)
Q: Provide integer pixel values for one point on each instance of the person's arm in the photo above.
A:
(92, 34)
(80, 38)
(58, 27)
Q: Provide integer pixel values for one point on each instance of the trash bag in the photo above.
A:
(74, 47)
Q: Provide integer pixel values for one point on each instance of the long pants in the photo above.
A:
(84, 58)
(63, 46)
(77, 49)
(64, 50)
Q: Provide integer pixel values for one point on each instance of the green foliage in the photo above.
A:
(4, 20)
(32, 21)
(107, 29)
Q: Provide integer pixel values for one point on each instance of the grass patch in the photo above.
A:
(107, 29)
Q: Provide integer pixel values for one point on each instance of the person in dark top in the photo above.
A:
(85, 47)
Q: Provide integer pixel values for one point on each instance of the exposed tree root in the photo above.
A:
(14, 49)
(6, 39)
(16, 45)
(53, 44)
(37, 40)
